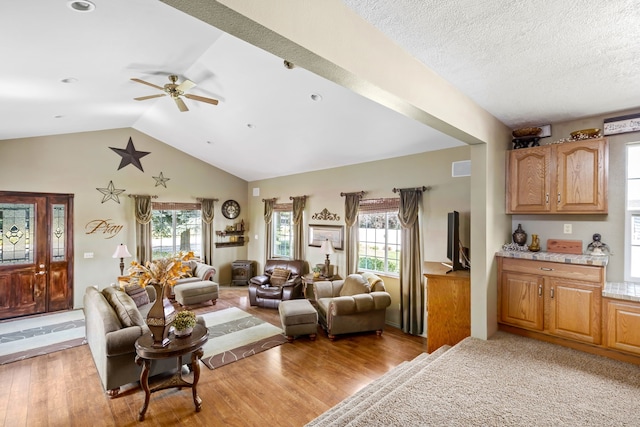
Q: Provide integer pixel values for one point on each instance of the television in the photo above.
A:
(453, 242)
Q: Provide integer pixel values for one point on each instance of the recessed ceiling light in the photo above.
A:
(81, 5)
(69, 80)
(58, 117)
(209, 142)
(316, 97)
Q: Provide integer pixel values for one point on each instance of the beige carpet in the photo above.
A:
(505, 381)
(235, 335)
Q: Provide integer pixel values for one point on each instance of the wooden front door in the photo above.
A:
(36, 253)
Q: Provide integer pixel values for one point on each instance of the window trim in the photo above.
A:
(629, 214)
(277, 209)
(175, 206)
(380, 206)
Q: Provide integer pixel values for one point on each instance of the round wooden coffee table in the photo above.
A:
(177, 347)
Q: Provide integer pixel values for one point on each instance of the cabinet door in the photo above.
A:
(622, 330)
(521, 300)
(574, 310)
(582, 176)
(529, 180)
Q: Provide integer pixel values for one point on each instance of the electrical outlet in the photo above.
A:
(568, 229)
(88, 254)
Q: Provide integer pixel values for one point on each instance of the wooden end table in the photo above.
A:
(177, 347)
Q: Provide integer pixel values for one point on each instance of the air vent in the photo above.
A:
(462, 168)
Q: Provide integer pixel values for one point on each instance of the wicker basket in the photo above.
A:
(532, 131)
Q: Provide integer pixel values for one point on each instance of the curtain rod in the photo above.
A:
(142, 195)
(361, 193)
(268, 200)
(423, 188)
(292, 197)
(201, 199)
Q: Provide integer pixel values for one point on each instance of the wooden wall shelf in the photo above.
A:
(230, 238)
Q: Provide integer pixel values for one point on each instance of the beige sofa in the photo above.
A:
(113, 323)
(356, 304)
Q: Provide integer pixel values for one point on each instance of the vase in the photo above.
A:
(160, 317)
(183, 332)
(535, 243)
(519, 236)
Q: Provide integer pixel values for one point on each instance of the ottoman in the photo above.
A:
(298, 317)
(196, 292)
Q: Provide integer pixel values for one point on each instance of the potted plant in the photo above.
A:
(184, 322)
(316, 272)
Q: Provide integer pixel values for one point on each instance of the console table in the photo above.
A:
(176, 348)
(448, 305)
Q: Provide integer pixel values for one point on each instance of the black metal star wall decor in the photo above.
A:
(110, 193)
(130, 155)
(161, 180)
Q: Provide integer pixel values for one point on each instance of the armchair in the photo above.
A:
(355, 304)
(282, 280)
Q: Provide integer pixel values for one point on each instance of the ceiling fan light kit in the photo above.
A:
(175, 91)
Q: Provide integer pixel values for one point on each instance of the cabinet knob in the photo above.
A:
(551, 292)
(540, 290)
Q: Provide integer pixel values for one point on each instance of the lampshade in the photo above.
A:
(121, 252)
(327, 247)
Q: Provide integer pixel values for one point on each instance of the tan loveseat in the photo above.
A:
(113, 323)
(356, 304)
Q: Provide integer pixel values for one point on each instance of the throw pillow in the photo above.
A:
(355, 284)
(279, 276)
(124, 307)
(137, 293)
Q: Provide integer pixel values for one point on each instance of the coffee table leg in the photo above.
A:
(195, 363)
(144, 382)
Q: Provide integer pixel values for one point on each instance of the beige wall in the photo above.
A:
(610, 226)
(79, 163)
(378, 180)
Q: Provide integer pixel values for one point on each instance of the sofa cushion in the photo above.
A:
(124, 307)
(279, 276)
(355, 284)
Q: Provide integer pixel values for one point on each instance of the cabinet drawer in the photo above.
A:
(584, 273)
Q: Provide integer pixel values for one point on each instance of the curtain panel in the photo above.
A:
(268, 217)
(351, 206)
(299, 203)
(143, 215)
(207, 210)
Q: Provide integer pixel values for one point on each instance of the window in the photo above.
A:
(379, 236)
(632, 215)
(282, 231)
(176, 227)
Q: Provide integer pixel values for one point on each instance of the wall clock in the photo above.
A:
(230, 209)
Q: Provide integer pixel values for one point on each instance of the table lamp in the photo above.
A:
(121, 252)
(327, 249)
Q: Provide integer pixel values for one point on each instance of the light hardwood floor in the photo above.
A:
(285, 386)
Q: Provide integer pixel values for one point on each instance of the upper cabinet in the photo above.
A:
(559, 178)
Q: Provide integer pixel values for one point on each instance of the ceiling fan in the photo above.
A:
(176, 91)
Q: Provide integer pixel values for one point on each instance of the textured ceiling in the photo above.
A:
(531, 62)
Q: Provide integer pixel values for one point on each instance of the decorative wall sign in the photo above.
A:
(110, 193)
(103, 226)
(622, 124)
(130, 155)
(161, 180)
(326, 215)
(320, 233)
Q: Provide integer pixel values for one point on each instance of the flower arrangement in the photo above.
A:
(184, 319)
(164, 271)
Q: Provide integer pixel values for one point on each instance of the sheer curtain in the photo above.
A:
(411, 289)
(268, 233)
(299, 203)
(143, 228)
(207, 230)
(351, 205)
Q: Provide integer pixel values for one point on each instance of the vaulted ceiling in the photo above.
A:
(534, 62)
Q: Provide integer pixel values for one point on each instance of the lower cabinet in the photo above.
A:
(562, 300)
(622, 331)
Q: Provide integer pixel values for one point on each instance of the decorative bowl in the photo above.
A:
(585, 133)
(531, 131)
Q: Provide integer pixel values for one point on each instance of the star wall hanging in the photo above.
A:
(161, 180)
(110, 193)
(130, 155)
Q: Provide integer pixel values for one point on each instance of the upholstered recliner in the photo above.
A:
(282, 280)
(355, 304)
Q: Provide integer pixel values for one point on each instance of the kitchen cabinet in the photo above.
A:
(622, 325)
(562, 300)
(569, 178)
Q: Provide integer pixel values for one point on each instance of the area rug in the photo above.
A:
(35, 336)
(235, 334)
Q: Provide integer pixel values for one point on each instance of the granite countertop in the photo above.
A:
(629, 291)
(556, 257)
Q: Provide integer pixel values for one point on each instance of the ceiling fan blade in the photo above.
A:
(181, 105)
(201, 98)
(185, 86)
(148, 84)
(142, 98)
